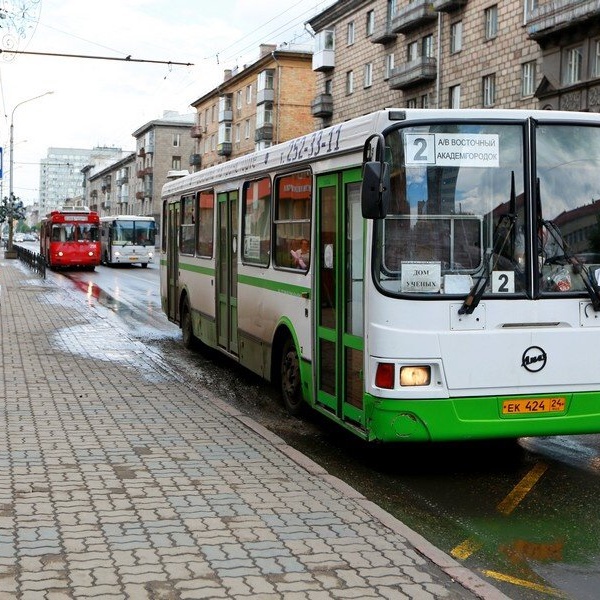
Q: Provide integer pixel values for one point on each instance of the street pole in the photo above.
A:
(11, 198)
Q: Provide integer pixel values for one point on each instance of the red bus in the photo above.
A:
(70, 238)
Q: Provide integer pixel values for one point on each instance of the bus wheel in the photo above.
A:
(291, 391)
(186, 326)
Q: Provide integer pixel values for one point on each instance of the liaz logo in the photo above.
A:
(534, 359)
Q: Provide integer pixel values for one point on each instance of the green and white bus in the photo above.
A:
(412, 274)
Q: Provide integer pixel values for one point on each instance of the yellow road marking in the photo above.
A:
(464, 550)
(469, 546)
(521, 489)
(524, 583)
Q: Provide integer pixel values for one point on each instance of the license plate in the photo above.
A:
(133, 258)
(533, 405)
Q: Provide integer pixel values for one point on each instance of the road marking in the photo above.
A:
(521, 489)
(524, 583)
(512, 500)
(464, 550)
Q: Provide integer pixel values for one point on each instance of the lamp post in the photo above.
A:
(11, 197)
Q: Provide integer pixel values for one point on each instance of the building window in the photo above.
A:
(411, 103)
(572, 61)
(248, 94)
(176, 163)
(237, 133)
(224, 133)
(213, 116)
(454, 96)
(392, 7)
(528, 78)
(328, 89)
(412, 51)
(489, 90)
(456, 37)
(238, 100)
(491, 22)
(427, 46)
(349, 82)
(265, 80)
(264, 114)
(596, 58)
(389, 66)
(370, 26)
(350, 33)
(176, 140)
(424, 101)
(368, 80)
(247, 129)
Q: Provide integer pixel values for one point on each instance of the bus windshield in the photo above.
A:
(462, 214)
(134, 232)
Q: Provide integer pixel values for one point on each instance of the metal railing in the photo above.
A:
(34, 260)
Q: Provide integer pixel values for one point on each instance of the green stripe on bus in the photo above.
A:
(274, 286)
(197, 269)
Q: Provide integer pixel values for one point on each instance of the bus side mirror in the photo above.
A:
(375, 192)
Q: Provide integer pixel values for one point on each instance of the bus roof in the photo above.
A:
(348, 137)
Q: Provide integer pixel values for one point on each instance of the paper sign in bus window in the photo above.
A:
(452, 149)
(421, 277)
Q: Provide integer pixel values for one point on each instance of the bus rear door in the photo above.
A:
(339, 297)
(227, 253)
(173, 261)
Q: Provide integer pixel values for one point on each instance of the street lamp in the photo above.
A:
(11, 198)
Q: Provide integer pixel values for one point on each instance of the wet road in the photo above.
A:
(523, 514)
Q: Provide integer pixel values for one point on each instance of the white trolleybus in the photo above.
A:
(127, 240)
(412, 274)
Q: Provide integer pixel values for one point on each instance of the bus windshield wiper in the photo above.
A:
(471, 302)
(579, 268)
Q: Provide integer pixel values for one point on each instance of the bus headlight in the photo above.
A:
(150, 255)
(117, 253)
(90, 253)
(60, 253)
(415, 375)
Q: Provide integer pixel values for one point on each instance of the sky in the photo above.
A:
(102, 101)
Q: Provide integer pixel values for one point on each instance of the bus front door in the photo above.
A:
(173, 261)
(227, 253)
(339, 297)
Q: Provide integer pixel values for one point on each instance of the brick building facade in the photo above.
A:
(262, 104)
(370, 54)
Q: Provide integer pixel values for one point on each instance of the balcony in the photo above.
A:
(224, 149)
(225, 115)
(195, 160)
(322, 106)
(414, 14)
(140, 173)
(197, 131)
(265, 132)
(139, 195)
(558, 15)
(448, 5)
(141, 152)
(412, 73)
(265, 95)
(323, 60)
(383, 34)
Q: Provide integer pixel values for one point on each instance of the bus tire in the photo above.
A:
(289, 376)
(187, 331)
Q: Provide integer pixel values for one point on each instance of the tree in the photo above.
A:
(11, 209)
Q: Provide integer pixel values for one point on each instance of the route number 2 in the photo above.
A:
(419, 148)
(503, 282)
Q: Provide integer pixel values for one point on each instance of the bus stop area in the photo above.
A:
(118, 480)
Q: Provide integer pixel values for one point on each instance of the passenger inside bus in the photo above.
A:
(301, 257)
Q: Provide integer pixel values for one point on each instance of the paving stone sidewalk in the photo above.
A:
(119, 481)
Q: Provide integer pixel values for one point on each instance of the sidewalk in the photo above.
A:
(118, 481)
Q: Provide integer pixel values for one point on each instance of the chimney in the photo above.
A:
(265, 49)
(226, 74)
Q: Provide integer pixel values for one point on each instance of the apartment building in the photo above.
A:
(568, 34)
(110, 190)
(448, 54)
(264, 103)
(162, 145)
